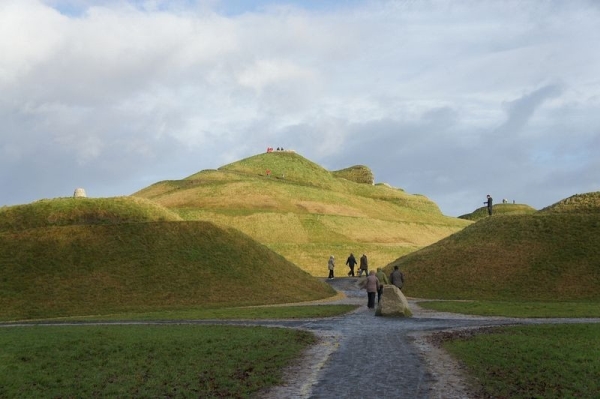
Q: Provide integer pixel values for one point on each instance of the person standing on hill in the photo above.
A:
(372, 286)
(397, 278)
(489, 204)
(364, 265)
(382, 280)
(351, 262)
(331, 266)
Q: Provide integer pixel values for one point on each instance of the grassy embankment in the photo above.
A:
(543, 264)
(127, 258)
(307, 213)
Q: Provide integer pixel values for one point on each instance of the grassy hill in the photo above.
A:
(306, 212)
(578, 203)
(77, 256)
(552, 254)
(499, 209)
(83, 211)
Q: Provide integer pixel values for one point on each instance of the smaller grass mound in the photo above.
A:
(142, 267)
(499, 209)
(578, 203)
(537, 257)
(357, 174)
(83, 211)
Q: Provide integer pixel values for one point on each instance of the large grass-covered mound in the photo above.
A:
(100, 268)
(549, 255)
(307, 213)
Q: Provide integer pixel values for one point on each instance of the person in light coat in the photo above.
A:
(331, 266)
(372, 286)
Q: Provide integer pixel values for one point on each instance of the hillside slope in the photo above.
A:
(99, 268)
(306, 213)
(552, 254)
(499, 209)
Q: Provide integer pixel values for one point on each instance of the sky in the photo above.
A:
(453, 100)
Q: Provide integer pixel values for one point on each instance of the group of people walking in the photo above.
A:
(351, 262)
(364, 265)
(375, 280)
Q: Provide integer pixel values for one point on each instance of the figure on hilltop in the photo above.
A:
(489, 204)
(351, 262)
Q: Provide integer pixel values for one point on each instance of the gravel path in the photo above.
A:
(362, 355)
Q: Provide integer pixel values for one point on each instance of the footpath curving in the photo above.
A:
(363, 355)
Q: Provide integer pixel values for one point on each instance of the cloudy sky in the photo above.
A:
(449, 99)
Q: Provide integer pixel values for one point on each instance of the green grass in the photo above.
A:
(538, 257)
(244, 313)
(357, 174)
(105, 269)
(517, 308)
(82, 211)
(499, 209)
(579, 203)
(552, 361)
(308, 208)
(144, 361)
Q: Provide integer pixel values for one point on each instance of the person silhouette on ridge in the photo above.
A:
(489, 204)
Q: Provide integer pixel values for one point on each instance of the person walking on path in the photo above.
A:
(351, 262)
(382, 280)
(331, 265)
(397, 278)
(364, 266)
(489, 204)
(372, 286)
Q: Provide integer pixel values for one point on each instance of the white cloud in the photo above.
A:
(451, 99)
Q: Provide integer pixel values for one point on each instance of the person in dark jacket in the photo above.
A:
(364, 266)
(397, 278)
(489, 204)
(351, 262)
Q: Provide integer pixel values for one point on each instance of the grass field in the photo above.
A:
(550, 361)
(517, 308)
(144, 361)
